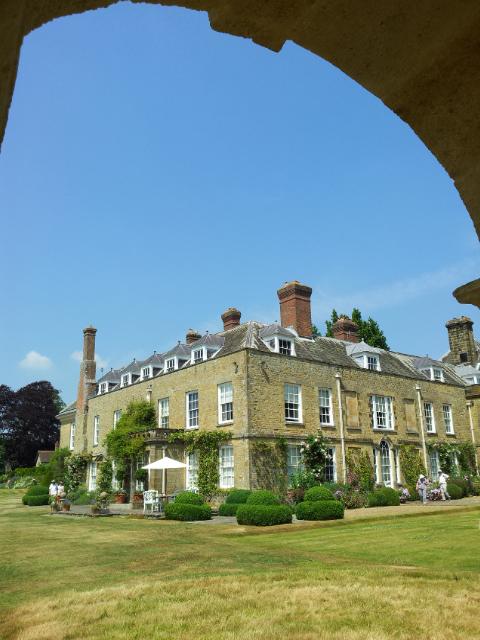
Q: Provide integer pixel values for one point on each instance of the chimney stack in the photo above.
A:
(295, 308)
(87, 382)
(461, 341)
(192, 336)
(345, 329)
(231, 318)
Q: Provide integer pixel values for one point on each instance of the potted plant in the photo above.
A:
(54, 504)
(100, 504)
(66, 504)
(120, 496)
(141, 475)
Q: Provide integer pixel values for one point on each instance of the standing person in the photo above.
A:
(442, 481)
(53, 489)
(422, 488)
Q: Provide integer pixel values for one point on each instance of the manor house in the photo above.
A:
(266, 383)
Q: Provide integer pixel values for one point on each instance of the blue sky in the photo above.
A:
(155, 172)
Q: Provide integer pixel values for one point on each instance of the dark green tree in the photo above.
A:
(368, 330)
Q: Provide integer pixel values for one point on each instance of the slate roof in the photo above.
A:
(361, 347)
(275, 329)
(212, 340)
(44, 456)
(180, 350)
(70, 408)
(111, 376)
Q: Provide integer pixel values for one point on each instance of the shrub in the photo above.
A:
(227, 509)
(23, 483)
(318, 493)
(238, 496)
(263, 497)
(263, 515)
(188, 497)
(85, 497)
(384, 497)
(187, 512)
(37, 490)
(320, 510)
(462, 484)
(476, 487)
(454, 491)
(36, 501)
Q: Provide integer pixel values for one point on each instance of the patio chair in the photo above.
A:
(151, 499)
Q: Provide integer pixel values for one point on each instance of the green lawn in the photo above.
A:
(404, 577)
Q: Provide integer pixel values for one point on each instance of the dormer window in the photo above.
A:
(434, 373)
(147, 372)
(284, 346)
(199, 355)
(102, 388)
(126, 380)
(368, 361)
(170, 365)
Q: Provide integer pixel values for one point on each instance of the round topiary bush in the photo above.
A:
(188, 497)
(36, 501)
(262, 497)
(37, 490)
(454, 491)
(320, 510)
(460, 482)
(238, 496)
(384, 497)
(227, 509)
(187, 512)
(263, 515)
(318, 493)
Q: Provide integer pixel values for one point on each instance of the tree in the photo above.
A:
(28, 421)
(368, 330)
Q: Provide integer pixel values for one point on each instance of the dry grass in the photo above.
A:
(118, 578)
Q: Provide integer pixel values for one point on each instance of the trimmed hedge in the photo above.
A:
(263, 515)
(454, 491)
(384, 497)
(189, 497)
(37, 490)
(187, 512)
(238, 496)
(226, 509)
(320, 510)
(318, 493)
(263, 497)
(36, 501)
(461, 483)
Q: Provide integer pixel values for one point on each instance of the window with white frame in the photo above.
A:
(117, 414)
(396, 459)
(325, 404)
(126, 379)
(92, 484)
(429, 417)
(293, 403)
(226, 467)
(372, 363)
(102, 388)
(72, 435)
(294, 460)
(368, 361)
(434, 464)
(164, 413)
(115, 482)
(225, 402)
(331, 465)
(170, 365)
(198, 355)
(192, 471)
(146, 372)
(96, 430)
(192, 409)
(437, 374)
(385, 464)
(285, 347)
(447, 418)
(382, 412)
(141, 461)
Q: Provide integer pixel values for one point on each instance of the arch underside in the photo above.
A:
(422, 59)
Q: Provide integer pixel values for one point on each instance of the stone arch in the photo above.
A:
(421, 59)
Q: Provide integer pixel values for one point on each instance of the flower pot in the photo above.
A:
(138, 497)
(120, 498)
(66, 507)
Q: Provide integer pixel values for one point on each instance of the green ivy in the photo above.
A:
(206, 444)
(411, 465)
(360, 471)
(270, 460)
(463, 451)
(315, 455)
(105, 477)
(75, 471)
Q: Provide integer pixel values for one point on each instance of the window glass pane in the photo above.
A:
(285, 347)
(433, 456)
(226, 470)
(294, 460)
(292, 402)
(192, 471)
(164, 413)
(447, 418)
(385, 464)
(330, 466)
(429, 420)
(192, 409)
(325, 401)
(225, 396)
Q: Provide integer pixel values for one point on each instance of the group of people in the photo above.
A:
(423, 483)
(56, 491)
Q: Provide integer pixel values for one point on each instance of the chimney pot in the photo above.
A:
(461, 341)
(231, 318)
(192, 336)
(345, 329)
(295, 309)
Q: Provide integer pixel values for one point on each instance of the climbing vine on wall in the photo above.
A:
(411, 465)
(269, 459)
(206, 444)
(451, 453)
(360, 469)
(105, 477)
(126, 442)
(315, 455)
(75, 470)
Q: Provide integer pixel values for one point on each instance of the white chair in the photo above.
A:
(151, 499)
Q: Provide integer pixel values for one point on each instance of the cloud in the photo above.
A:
(35, 360)
(101, 362)
(398, 292)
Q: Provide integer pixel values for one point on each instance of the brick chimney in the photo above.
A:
(192, 336)
(295, 309)
(88, 367)
(461, 341)
(345, 329)
(231, 318)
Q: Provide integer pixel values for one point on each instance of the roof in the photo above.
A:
(275, 329)
(361, 347)
(45, 456)
(182, 351)
(111, 376)
(70, 408)
(213, 340)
